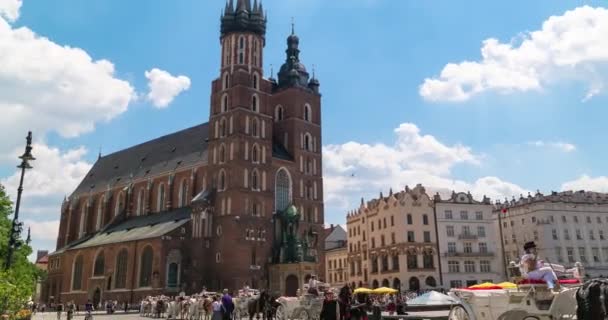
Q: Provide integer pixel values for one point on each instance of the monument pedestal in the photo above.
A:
(287, 278)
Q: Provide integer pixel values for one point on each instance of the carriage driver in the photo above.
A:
(534, 270)
(313, 283)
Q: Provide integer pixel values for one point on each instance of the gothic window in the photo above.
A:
(241, 51)
(253, 257)
(223, 127)
(99, 267)
(255, 81)
(160, 203)
(282, 190)
(254, 103)
(99, 213)
(172, 275)
(255, 154)
(222, 154)
(308, 168)
(120, 281)
(77, 274)
(83, 219)
(224, 102)
(278, 113)
(120, 204)
(222, 181)
(145, 271)
(255, 210)
(226, 81)
(255, 180)
(140, 202)
(254, 127)
(307, 113)
(183, 193)
(255, 54)
(307, 142)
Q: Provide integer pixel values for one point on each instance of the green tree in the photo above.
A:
(17, 283)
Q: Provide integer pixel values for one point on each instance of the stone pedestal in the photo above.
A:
(287, 278)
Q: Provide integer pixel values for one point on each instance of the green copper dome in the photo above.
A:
(291, 210)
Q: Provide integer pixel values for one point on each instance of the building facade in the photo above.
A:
(392, 242)
(469, 247)
(196, 207)
(567, 227)
(336, 256)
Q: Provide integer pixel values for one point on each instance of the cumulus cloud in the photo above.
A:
(9, 9)
(569, 47)
(353, 169)
(47, 87)
(585, 182)
(164, 87)
(558, 145)
(43, 230)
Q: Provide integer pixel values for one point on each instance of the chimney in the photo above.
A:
(331, 227)
(41, 253)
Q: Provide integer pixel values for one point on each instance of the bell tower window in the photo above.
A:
(255, 81)
(307, 113)
(278, 113)
(226, 81)
(241, 51)
(254, 127)
(224, 103)
(223, 127)
(254, 103)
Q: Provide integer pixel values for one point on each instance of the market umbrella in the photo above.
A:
(507, 285)
(384, 290)
(482, 285)
(363, 290)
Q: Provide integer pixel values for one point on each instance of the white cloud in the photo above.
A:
(559, 145)
(585, 182)
(43, 230)
(47, 87)
(353, 169)
(570, 47)
(9, 9)
(164, 87)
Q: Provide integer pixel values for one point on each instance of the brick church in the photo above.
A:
(196, 208)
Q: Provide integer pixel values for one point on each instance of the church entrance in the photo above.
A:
(291, 285)
(96, 297)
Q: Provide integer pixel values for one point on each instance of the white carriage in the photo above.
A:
(303, 307)
(241, 302)
(527, 301)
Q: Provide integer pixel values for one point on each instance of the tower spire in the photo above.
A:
(293, 26)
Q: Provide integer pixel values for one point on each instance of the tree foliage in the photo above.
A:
(16, 284)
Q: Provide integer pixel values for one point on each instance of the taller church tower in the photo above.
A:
(264, 150)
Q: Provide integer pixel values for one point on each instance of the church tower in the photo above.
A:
(240, 149)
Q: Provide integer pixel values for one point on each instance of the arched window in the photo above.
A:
(254, 180)
(160, 203)
(430, 281)
(99, 213)
(278, 113)
(307, 113)
(145, 267)
(99, 267)
(254, 127)
(223, 127)
(77, 274)
(255, 81)
(226, 81)
(218, 257)
(241, 51)
(183, 194)
(254, 103)
(222, 181)
(307, 142)
(224, 103)
(282, 190)
(140, 202)
(255, 154)
(255, 54)
(120, 278)
(83, 219)
(222, 154)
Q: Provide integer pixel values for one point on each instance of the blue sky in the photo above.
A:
(516, 121)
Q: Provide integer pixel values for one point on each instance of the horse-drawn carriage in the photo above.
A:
(304, 306)
(529, 300)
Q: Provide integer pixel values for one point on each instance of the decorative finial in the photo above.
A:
(293, 26)
(313, 71)
(99, 155)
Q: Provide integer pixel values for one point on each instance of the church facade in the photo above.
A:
(198, 208)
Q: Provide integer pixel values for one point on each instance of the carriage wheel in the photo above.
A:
(458, 313)
(303, 315)
(280, 313)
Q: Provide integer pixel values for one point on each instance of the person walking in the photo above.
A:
(227, 305)
(216, 306)
(59, 309)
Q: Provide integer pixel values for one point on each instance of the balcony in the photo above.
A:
(467, 236)
(469, 254)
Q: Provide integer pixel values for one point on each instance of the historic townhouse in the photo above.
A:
(392, 242)
(195, 208)
(468, 243)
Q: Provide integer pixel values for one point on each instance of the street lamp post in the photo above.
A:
(16, 228)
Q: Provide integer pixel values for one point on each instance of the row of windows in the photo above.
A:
(142, 199)
(469, 266)
(464, 215)
(564, 219)
(279, 111)
(411, 237)
(336, 263)
(467, 247)
(335, 277)
(579, 234)
(241, 50)
(465, 231)
(598, 255)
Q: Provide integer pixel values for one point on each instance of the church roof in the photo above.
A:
(139, 228)
(178, 149)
